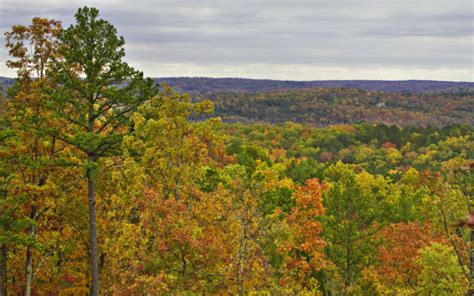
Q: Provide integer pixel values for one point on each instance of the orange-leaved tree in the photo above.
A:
(303, 251)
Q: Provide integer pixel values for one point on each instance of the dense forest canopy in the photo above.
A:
(334, 105)
(113, 184)
(199, 85)
(326, 106)
(203, 85)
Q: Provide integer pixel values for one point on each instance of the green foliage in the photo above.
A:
(355, 209)
(281, 198)
(97, 91)
(440, 272)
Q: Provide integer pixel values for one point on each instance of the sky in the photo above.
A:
(285, 40)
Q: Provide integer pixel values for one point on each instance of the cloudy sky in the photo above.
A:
(291, 40)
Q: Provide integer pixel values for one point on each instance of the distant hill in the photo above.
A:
(327, 106)
(201, 85)
(204, 85)
(6, 82)
(321, 103)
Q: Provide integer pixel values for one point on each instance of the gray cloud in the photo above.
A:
(414, 39)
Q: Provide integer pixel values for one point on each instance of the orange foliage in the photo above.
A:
(304, 250)
(388, 145)
(401, 244)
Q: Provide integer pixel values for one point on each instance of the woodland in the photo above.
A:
(113, 184)
(329, 106)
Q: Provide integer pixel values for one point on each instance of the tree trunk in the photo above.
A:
(28, 271)
(349, 249)
(91, 178)
(29, 255)
(240, 257)
(3, 271)
(29, 265)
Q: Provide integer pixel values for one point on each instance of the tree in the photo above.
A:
(355, 204)
(96, 95)
(440, 273)
(396, 270)
(11, 225)
(303, 251)
(153, 198)
(244, 189)
(31, 151)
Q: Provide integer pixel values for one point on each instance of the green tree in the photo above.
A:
(440, 272)
(355, 205)
(97, 95)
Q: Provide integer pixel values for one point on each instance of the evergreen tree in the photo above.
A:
(97, 95)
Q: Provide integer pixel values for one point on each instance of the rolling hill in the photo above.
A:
(322, 103)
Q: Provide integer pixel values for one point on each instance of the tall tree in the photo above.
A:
(31, 150)
(7, 205)
(98, 93)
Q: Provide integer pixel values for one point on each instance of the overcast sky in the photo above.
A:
(291, 40)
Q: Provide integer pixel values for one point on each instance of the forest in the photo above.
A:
(113, 184)
(329, 106)
(200, 85)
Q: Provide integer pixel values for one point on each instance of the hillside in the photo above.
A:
(324, 106)
(6, 82)
(401, 102)
(203, 85)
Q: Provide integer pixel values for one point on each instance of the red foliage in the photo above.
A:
(401, 244)
(388, 145)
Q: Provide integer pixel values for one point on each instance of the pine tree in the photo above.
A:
(97, 95)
